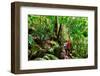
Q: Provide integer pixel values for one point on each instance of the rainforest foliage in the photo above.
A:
(57, 37)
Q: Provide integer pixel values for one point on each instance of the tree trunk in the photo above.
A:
(56, 27)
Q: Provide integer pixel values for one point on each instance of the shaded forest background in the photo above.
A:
(48, 37)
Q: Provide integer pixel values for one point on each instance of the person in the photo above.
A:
(67, 47)
(63, 54)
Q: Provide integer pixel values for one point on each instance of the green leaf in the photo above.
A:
(50, 57)
(30, 39)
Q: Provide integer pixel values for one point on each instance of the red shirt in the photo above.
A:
(68, 45)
